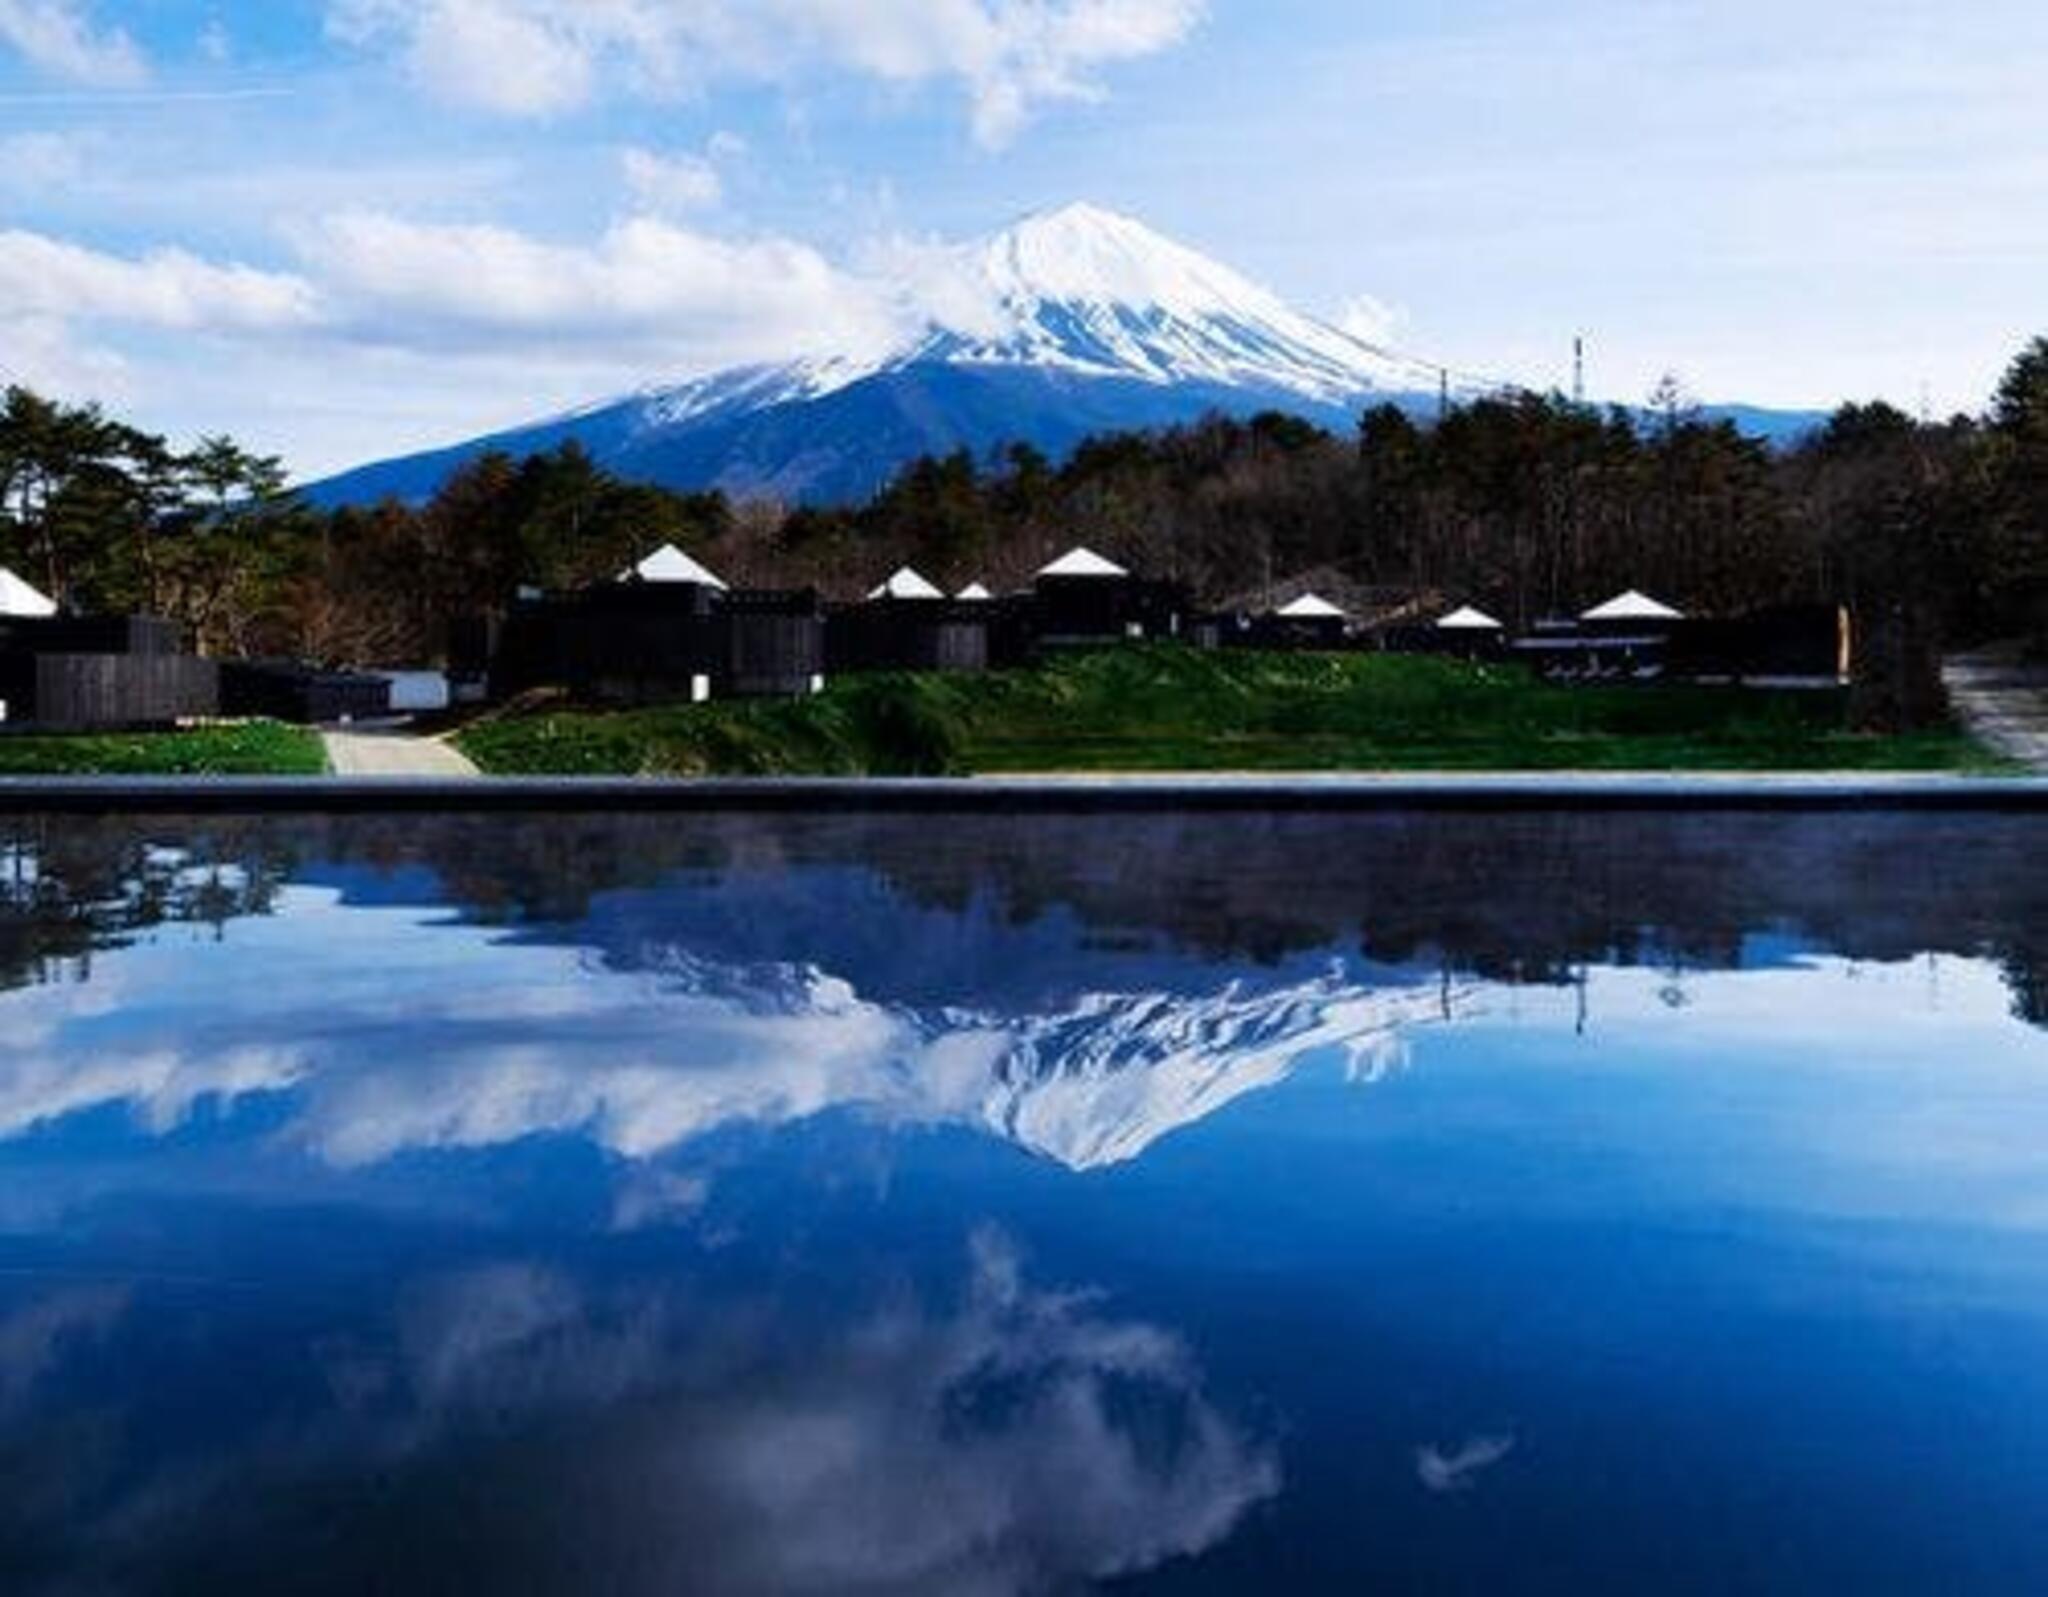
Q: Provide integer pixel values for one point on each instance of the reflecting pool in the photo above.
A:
(659, 1204)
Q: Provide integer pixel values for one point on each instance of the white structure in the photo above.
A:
(1632, 606)
(417, 692)
(1468, 619)
(19, 600)
(908, 584)
(974, 593)
(670, 564)
(1083, 563)
(1311, 607)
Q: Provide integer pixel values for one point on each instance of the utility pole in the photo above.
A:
(1579, 372)
(1443, 392)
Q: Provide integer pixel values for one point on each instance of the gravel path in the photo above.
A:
(393, 754)
(2004, 700)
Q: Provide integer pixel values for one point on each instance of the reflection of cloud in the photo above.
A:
(1016, 1440)
(437, 1038)
(160, 1084)
(32, 1339)
(1459, 1470)
(986, 1450)
(651, 1196)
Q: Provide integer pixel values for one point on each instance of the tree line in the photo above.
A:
(1935, 534)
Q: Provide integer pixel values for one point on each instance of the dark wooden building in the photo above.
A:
(656, 640)
(1310, 623)
(624, 643)
(771, 644)
(1808, 645)
(305, 695)
(1083, 600)
(86, 692)
(79, 673)
(908, 624)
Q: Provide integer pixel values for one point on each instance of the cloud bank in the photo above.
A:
(545, 58)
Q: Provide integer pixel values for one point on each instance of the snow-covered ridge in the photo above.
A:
(1087, 291)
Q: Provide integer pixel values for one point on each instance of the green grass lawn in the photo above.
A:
(258, 748)
(1171, 709)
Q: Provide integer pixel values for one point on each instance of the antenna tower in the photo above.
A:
(1579, 371)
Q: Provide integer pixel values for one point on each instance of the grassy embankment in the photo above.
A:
(257, 748)
(1168, 709)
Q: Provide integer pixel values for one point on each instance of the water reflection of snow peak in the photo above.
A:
(410, 1037)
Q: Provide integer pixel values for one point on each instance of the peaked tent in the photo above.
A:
(1311, 607)
(670, 564)
(19, 600)
(1079, 562)
(1632, 606)
(974, 593)
(1468, 619)
(907, 584)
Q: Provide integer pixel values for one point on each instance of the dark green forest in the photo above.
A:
(1935, 534)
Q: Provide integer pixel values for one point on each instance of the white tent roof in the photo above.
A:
(1083, 563)
(1467, 619)
(1312, 607)
(17, 598)
(907, 584)
(974, 592)
(1632, 606)
(670, 564)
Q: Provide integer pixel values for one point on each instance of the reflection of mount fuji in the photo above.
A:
(675, 1012)
(1091, 1084)
(1079, 986)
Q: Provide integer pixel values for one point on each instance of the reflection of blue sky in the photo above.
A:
(373, 1191)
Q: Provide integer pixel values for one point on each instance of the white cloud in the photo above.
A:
(669, 183)
(59, 37)
(45, 353)
(42, 276)
(646, 288)
(544, 57)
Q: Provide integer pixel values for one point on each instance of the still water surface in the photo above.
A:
(980, 1205)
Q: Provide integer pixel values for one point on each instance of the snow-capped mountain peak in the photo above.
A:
(1090, 290)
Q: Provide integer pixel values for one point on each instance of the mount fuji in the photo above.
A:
(1072, 322)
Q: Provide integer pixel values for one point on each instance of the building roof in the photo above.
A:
(1078, 562)
(1468, 619)
(974, 592)
(1312, 607)
(907, 584)
(1632, 606)
(670, 564)
(17, 598)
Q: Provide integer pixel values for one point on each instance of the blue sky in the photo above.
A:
(340, 228)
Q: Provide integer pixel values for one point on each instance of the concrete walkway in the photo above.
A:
(400, 754)
(2004, 700)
